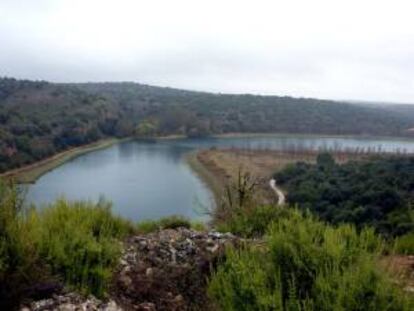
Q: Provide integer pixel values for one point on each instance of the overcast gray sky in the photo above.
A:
(350, 49)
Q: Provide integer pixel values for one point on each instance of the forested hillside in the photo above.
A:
(378, 193)
(38, 119)
(218, 113)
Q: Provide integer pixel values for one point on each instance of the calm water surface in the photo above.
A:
(151, 180)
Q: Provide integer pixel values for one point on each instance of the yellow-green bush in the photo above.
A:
(75, 242)
(80, 241)
(405, 244)
(169, 222)
(251, 222)
(307, 265)
(19, 258)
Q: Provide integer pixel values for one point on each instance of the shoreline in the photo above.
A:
(310, 135)
(205, 174)
(30, 173)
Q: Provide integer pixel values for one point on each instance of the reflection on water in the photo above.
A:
(151, 180)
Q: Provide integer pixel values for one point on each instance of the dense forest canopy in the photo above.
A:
(379, 193)
(38, 119)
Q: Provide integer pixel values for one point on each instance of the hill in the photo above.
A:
(39, 119)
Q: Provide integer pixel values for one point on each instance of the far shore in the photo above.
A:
(249, 134)
(31, 172)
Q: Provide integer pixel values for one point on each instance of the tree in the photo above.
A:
(147, 128)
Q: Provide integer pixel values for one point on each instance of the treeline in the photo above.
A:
(378, 193)
(38, 119)
(221, 113)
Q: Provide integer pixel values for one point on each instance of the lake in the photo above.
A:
(147, 180)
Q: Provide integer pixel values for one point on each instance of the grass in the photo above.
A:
(76, 243)
(305, 264)
(251, 223)
(405, 244)
(80, 241)
(30, 173)
(170, 222)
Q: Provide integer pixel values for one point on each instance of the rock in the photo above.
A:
(146, 306)
(112, 306)
(125, 280)
(409, 289)
(72, 302)
(67, 307)
(215, 235)
(149, 272)
(178, 298)
(213, 249)
(182, 258)
(163, 270)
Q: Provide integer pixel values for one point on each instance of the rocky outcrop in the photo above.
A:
(71, 302)
(164, 270)
(169, 268)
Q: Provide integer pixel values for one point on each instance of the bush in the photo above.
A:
(18, 253)
(77, 243)
(174, 222)
(405, 244)
(80, 242)
(147, 226)
(252, 222)
(170, 222)
(198, 226)
(307, 265)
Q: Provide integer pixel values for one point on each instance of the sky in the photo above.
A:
(350, 49)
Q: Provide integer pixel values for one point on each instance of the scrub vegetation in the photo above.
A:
(297, 262)
(77, 244)
(305, 264)
(170, 222)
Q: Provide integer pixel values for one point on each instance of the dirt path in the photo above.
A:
(280, 195)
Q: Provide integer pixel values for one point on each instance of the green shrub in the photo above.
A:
(76, 242)
(170, 222)
(198, 226)
(147, 226)
(18, 253)
(80, 242)
(405, 244)
(307, 265)
(174, 222)
(252, 222)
